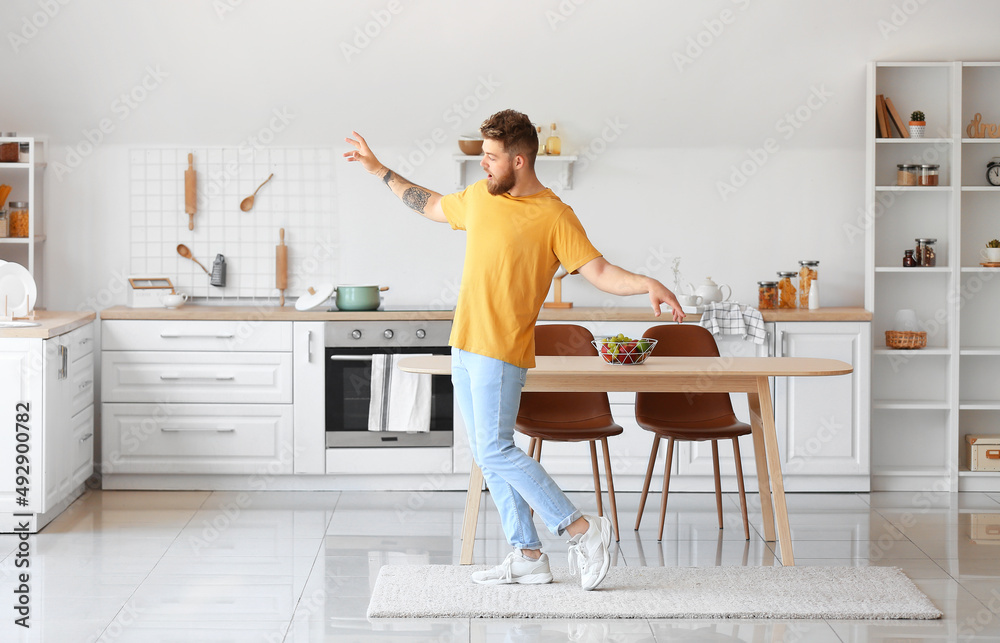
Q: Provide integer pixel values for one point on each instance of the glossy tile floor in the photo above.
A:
(299, 566)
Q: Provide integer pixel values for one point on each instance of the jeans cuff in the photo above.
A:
(566, 522)
(519, 546)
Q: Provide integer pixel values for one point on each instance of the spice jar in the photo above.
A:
(18, 219)
(928, 175)
(786, 290)
(25, 153)
(906, 174)
(807, 273)
(908, 260)
(925, 256)
(4, 225)
(10, 152)
(767, 295)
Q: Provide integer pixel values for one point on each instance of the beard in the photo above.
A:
(500, 184)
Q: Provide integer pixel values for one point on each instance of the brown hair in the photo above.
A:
(515, 131)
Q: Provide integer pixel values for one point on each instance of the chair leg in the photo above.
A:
(666, 486)
(611, 488)
(538, 450)
(739, 482)
(649, 476)
(718, 480)
(597, 476)
(531, 447)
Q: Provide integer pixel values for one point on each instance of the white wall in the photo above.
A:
(215, 73)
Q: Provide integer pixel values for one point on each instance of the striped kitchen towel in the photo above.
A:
(728, 318)
(400, 401)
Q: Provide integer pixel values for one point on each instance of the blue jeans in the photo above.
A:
(489, 393)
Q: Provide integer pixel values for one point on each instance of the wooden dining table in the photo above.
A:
(659, 375)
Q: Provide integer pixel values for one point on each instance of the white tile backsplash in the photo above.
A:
(300, 199)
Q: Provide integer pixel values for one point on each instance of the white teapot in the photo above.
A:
(709, 291)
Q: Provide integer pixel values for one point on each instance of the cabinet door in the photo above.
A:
(309, 395)
(58, 399)
(823, 422)
(20, 383)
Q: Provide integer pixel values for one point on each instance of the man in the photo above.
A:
(518, 233)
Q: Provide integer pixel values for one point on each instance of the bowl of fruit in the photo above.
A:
(624, 350)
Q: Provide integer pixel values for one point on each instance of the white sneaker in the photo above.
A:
(588, 552)
(516, 568)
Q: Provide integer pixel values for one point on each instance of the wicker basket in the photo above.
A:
(905, 339)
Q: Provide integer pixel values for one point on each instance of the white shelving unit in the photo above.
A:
(924, 402)
(26, 181)
(462, 159)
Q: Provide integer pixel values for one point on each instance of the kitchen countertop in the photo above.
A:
(53, 323)
(581, 313)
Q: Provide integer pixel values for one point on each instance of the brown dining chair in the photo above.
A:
(570, 417)
(688, 416)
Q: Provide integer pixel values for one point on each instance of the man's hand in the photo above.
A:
(363, 155)
(660, 294)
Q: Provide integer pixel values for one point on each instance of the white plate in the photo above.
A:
(315, 300)
(17, 290)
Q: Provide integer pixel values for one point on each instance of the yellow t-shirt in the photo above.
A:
(514, 246)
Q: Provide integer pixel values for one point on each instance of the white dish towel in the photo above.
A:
(400, 401)
(727, 318)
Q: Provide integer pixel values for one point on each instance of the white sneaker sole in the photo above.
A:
(527, 579)
(606, 563)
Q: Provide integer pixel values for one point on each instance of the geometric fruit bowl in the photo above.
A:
(624, 350)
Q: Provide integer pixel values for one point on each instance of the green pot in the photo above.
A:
(359, 297)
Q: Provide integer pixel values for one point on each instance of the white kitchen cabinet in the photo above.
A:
(823, 423)
(310, 397)
(54, 379)
(196, 397)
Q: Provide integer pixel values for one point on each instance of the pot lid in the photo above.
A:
(315, 298)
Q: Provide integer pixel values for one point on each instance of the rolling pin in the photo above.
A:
(281, 266)
(190, 191)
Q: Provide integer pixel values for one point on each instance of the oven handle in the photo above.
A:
(351, 358)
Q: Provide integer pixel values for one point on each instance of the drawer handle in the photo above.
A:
(200, 378)
(85, 385)
(195, 336)
(86, 437)
(193, 429)
(993, 454)
(351, 358)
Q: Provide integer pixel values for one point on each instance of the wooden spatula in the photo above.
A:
(190, 191)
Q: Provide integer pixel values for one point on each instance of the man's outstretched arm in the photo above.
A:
(618, 281)
(417, 198)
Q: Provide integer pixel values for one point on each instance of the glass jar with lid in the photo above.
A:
(906, 174)
(786, 290)
(767, 295)
(924, 254)
(4, 225)
(909, 261)
(807, 274)
(928, 175)
(10, 151)
(18, 219)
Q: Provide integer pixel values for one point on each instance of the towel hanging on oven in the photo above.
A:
(400, 401)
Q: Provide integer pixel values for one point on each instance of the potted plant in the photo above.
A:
(917, 124)
(992, 252)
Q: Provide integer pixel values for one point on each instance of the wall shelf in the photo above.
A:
(953, 382)
(26, 181)
(462, 159)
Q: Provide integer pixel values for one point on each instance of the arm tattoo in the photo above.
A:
(416, 198)
(387, 177)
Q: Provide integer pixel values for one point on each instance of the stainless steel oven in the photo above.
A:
(350, 347)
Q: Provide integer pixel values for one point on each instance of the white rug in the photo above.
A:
(446, 591)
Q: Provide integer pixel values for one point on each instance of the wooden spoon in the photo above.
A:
(247, 204)
(185, 252)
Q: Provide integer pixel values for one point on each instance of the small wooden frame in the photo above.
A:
(557, 294)
(897, 120)
(146, 292)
